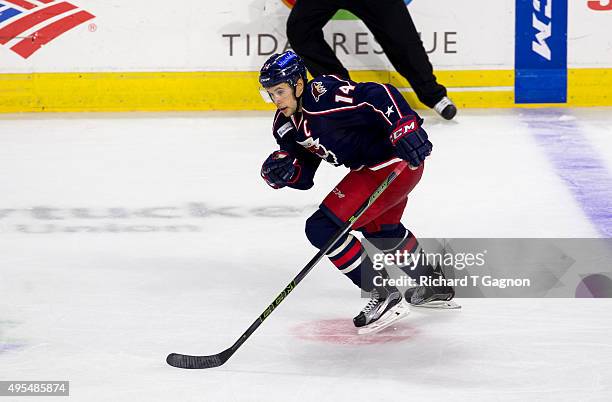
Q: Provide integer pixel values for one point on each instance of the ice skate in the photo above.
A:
(385, 307)
(432, 296)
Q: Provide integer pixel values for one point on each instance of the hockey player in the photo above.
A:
(369, 128)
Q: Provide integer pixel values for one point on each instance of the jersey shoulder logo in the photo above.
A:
(284, 129)
(317, 89)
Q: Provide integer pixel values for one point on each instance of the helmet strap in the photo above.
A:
(294, 85)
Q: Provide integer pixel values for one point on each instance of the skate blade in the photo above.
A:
(398, 312)
(439, 304)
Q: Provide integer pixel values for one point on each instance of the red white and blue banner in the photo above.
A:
(28, 25)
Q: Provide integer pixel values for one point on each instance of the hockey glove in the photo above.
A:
(410, 140)
(280, 169)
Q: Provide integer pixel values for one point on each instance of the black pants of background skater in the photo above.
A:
(390, 23)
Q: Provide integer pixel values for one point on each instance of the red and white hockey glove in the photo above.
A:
(280, 169)
(410, 140)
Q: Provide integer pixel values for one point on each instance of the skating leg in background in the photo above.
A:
(392, 26)
(305, 33)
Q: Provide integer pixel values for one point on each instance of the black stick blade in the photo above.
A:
(195, 362)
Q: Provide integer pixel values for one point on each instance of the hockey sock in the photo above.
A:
(348, 254)
(350, 257)
(408, 254)
(413, 260)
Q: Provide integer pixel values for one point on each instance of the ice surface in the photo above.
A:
(125, 237)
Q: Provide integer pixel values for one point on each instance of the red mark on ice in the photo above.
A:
(343, 332)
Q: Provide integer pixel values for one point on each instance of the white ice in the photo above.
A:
(101, 301)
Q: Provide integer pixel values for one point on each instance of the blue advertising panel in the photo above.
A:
(541, 51)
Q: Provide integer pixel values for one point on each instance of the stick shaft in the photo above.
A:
(199, 362)
(345, 228)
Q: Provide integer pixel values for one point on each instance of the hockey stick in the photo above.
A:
(201, 362)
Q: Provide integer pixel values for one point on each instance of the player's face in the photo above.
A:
(284, 99)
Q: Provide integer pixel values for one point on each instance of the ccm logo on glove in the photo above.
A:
(405, 128)
(410, 140)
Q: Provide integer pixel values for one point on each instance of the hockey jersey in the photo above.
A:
(342, 122)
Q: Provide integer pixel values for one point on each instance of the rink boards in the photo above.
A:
(168, 91)
(110, 56)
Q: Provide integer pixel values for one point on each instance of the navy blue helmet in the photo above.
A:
(285, 67)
